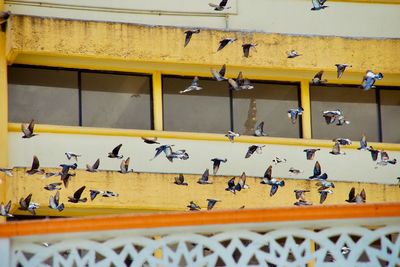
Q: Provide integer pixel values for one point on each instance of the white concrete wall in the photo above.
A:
(354, 166)
(347, 19)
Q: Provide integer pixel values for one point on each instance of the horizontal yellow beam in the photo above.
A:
(56, 129)
(139, 192)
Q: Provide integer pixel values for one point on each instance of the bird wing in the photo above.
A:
(250, 151)
(329, 118)
(340, 70)
(222, 70)
(7, 207)
(268, 173)
(223, 3)
(368, 82)
(205, 175)
(374, 154)
(78, 193)
(239, 79)
(222, 44)
(274, 188)
(180, 178)
(126, 165)
(216, 75)
(259, 129)
(363, 195)
(323, 196)
(246, 50)
(292, 114)
(316, 3)
(213, 5)
(194, 83)
(384, 156)
(242, 180)
(336, 148)
(27, 200)
(187, 38)
(35, 163)
(57, 198)
(25, 129)
(317, 169)
(319, 74)
(216, 166)
(352, 194)
(233, 84)
(116, 149)
(96, 164)
(310, 153)
(93, 194)
(231, 183)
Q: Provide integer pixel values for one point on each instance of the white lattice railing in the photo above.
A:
(372, 241)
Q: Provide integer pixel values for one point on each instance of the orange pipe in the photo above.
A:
(119, 222)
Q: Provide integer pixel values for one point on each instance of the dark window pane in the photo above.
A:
(206, 110)
(48, 96)
(390, 108)
(116, 101)
(358, 106)
(269, 103)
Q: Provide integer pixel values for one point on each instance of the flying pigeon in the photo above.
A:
(310, 153)
(369, 80)
(294, 113)
(317, 80)
(193, 87)
(300, 194)
(67, 167)
(179, 154)
(193, 206)
(231, 186)
(180, 180)
(94, 193)
(150, 140)
(221, 6)
(66, 177)
(324, 185)
(52, 186)
(336, 149)
(242, 182)
(216, 164)
(295, 171)
(359, 198)
(363, 143)
(189, 34)
(317, 173)
(318, 4)
(385, 159)
(114, 152)
(343, 141)
(26, 204)
(302, 203)
(211, 203)
(219, 76)
(94, 167)
(334, 115)
(252, 149)
(271, 181)
(231, 136)
(124, 167)
(240, 83)
(225, 42)
(163, 148)
(204, 178)
(35, 167)
(71, 155)
(54, 202)
(323, 194)
(277, 160)
(341, 68)
(246, 48)
(374, 153)
(77, 196)
(5, 209)
(6, 171)
(292, 54)
(27, 129)
(259, 131)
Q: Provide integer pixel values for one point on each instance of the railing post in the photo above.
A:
(157, 101)
(306, 105)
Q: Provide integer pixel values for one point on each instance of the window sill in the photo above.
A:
(56, 129)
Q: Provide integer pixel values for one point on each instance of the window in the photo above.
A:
(116, 101)
(206, 110)
(48, 96)
(390, 111)
(358, 106)
(269, 103)
(75, 97)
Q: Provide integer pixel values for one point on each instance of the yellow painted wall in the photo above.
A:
(157, 192)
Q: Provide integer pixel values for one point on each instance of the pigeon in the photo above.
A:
(231, 136)
(323, 194)
(317, 173)
(359, 198)
(325, 185)
(76, 198)
(189, 34)
(67, 167)
(124, 167)
(180, 180)
(302, 203)
(240, 83)
(317, 80)
(6, 171)
(221, 6)
(35, 167)
(231, 186)
(114, 152)
(193, 87)
(71, 155)
(292, 54)
(294, 113)
(318, 4)
(5, 209)
(341, 121)
(252, 149)
(363, 143)
(369, 80)
(193, 206)
(204, 178)
(343, 141)
(52, 186)
(275, 186)
(374, 153)
(295, 171)
(336, 149)
(211, 203)
(310, 153)
(163, 148)
(225, 42)
(334, 115)
(277, 160)
(385, 159)
(216, 164)
(219, 76)
(300, 194)
(242, 183)
(94, 167)
(150, 140)
(179, 154)
(26, 204)
(94, 193)
(341, 68)
(259, 131)
(246, 49)
(271, 181)
(27, 129)
(54, 202)
(66, 177)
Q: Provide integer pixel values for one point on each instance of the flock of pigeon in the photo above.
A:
(324, 187)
